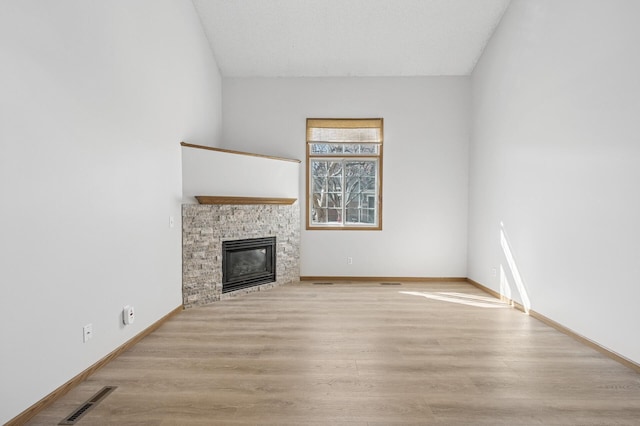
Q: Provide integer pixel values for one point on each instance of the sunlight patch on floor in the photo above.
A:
(460, 298)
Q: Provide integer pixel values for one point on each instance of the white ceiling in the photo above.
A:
(317, 38)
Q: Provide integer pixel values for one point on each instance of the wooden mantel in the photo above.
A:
(210, 199)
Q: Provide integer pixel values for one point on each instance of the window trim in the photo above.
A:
(344, 123)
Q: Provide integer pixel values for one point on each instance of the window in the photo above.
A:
(344, 174)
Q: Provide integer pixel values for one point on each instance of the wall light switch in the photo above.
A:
(171, 222)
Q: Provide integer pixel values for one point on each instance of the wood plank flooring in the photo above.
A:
(358, 354)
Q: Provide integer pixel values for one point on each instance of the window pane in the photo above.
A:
(340, 148)
(319, 148)
(319, 184)
(319, 199)
(334, 216)
(361, 168)
(360, 191)
(352, 149)
(319, 168)
(369, 148)
(319, 215)
(352, 184)
(368, 184)
(368, 216)
(353, 215)
(334, 168)
(334, 199)
(326, 168)
(334, 184)
(368, 201)
(370, 168)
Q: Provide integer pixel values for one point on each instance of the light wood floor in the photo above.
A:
(358, 354)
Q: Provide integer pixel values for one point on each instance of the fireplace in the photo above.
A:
(206, 227)
(248, 263)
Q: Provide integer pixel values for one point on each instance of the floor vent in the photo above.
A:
(390, 284)
(322, 283)
(77, 414)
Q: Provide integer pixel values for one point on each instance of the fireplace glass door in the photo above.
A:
(249, 262)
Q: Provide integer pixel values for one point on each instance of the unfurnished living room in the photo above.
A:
(320, 212)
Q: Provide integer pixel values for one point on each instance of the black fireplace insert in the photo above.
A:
(247, 263)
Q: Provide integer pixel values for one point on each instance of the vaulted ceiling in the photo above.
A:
(318, 38)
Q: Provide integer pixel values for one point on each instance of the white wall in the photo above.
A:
(426, 124)
(555, 158)
(95, 97)
(208, 172)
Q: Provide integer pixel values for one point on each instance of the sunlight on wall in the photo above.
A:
(513, 267)
(505, 286)
(460, 298)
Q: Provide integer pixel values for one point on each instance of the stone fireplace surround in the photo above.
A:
(205, 227)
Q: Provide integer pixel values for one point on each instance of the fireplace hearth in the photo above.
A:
(248, 262)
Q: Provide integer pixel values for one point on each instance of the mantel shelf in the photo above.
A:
(209, 199)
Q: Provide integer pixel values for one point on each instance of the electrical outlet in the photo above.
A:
(87, 333)
(349, 260)
(494, 272)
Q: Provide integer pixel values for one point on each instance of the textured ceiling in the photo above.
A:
(316, 38)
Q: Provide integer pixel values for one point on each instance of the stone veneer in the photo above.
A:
(205, 227)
